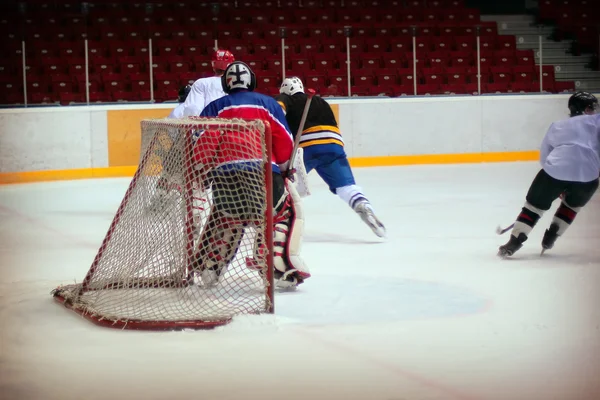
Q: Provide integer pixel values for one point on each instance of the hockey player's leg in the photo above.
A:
(353, 196)
(223, 231)
(335, 170)
(542, 192)
(574, 199)
(218, 245)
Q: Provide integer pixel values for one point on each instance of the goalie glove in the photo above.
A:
(287, 172)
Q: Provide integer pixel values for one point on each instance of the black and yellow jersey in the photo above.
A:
(320, 126)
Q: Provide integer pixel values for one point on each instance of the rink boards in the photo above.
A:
(62, 143)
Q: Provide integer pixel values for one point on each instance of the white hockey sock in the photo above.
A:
(351, 194)
(526, 220)
(564, 217)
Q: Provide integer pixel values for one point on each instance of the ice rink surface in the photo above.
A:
(429, 313)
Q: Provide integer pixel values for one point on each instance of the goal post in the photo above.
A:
(190, 245)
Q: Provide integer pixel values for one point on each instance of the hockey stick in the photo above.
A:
(310, 93)
(501, 231)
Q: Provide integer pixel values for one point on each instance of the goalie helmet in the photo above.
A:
(291, 86)
(183, 93)
(238, 75)
(583, 103)
(221, 59)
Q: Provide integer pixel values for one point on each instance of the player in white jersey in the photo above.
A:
(183, 94)
(570, 158)
(202, 92)
(205, 90)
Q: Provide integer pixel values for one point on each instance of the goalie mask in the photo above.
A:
(221, 59)
(291, 86)
(238, 75)
(583, 103)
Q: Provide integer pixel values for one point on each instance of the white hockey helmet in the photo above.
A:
(238, 75)
(291, 86)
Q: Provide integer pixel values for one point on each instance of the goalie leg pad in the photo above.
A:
(288, 231)
(300, 176)
(219, 243)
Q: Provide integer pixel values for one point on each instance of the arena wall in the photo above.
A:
(55, 143)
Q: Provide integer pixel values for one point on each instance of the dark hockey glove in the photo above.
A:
(290, 174)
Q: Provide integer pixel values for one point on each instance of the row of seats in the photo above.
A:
(307, 61)
(132, 82)
(266, 32)
(385, 46)
(301, 16)
(373, 76)
(67, 98)
(54, 7)
(441, 89)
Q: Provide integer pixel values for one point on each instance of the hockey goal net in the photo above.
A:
(181, 251)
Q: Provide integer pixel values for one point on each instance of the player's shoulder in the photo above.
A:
(566, 121)
(205, 81)
(283, 97)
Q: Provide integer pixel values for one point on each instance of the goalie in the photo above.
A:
(223, 232)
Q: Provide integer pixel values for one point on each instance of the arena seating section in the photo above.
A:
(578, 19)
(183, 34)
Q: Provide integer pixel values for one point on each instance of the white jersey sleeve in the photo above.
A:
(546, 147)
(177, 111)
(571, 149)
(204, 91)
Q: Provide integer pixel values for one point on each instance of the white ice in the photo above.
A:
(430, 313)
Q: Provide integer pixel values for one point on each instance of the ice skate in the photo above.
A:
(550, 237)
(513, 245)
(367, 214)
(288, 280)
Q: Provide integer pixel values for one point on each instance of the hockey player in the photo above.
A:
(323, 148)
(202, 92)
(570, 158)
(239, 82)
(205, 90)
(177, 112)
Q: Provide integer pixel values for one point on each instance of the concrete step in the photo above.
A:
(517, 18)
(564, 60)
(531, 31)
(564, 46)
(573, 68)
(535, 38)
(588, 84)
(552, 53)
(560, 73)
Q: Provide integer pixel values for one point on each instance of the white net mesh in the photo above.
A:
(186, 246)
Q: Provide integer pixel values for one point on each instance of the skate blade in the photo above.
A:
(379, 231)
(376, 226)
(542, 252)
(503, 254)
